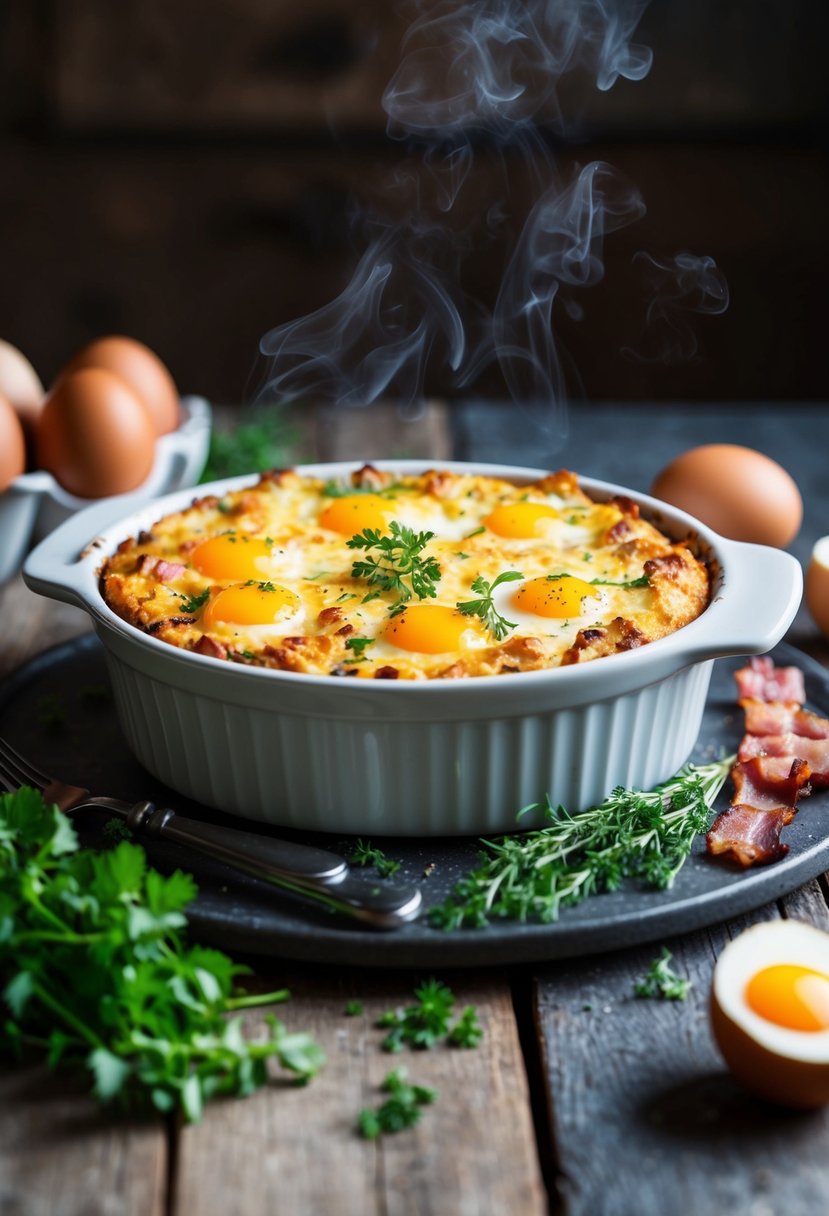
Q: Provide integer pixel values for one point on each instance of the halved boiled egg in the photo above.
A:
(428, 629)
(816, 588)
(770, 1011)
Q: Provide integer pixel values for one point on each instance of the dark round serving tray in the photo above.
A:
(57, 710)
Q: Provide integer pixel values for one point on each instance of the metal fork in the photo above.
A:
(303, 869)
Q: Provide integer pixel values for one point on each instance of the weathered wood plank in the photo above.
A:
(298, 1150)
(643, 1110)
(61, 1156)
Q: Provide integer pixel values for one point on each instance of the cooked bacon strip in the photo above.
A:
(748, 836)
(765, 682)
(782, 718)
(768, 782)
(815, 752)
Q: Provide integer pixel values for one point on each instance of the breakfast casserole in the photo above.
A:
(435, 575)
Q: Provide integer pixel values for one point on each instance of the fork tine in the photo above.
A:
(15, 771)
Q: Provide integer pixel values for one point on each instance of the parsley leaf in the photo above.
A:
(485, 607)
(661, 981)
(400, 1110)
(422, 1024)
(192, 603)
(365, 854)
(357, 647)
(400, 568)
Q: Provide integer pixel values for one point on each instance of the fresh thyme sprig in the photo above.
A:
(365, 854)
(645, 836)
(400, 568)
(485, 607)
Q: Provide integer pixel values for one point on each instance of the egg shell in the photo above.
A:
(94, 435)
(20, 384)
(12, 444)
(816, 589)
(737, 491)
(790, 1068)
(142, 370)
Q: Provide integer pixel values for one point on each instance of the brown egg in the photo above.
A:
(142, 370)
(95, 435)
(20, 384)
(736, 491)
(12, 444)
(817, 585)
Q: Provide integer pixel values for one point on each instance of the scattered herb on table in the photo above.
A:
(95, 972)
(401, 1109)
(467, 1031)
(644, 836)
(661, 981)
(353, 1009)
(365, 854)
(428, 1021)
(400, 567)
(485, 607)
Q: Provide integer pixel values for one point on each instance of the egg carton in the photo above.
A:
(34, 504)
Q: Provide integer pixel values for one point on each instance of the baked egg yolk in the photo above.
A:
(250, 604)
(427, 629)
(231, 557)
(792, 996)
(353, 512)
(520, 520)
(553, 597)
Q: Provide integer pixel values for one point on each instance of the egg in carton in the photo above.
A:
(105, 429)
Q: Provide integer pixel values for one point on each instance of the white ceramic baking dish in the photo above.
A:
(431, 758)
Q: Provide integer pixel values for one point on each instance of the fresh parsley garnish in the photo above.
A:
(641, 581)
(357, 646)
(400, 568)
(263, 586)
(645, 836)
(338, 489)
(661, 981)
(192, 603)
(365, 854)
(400, 1110)
(96, 971)
(485, 608)
(467, 1031)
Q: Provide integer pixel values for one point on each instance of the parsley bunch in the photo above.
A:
(645, 836)
(400, 568)
(95, 973)
(485, 606)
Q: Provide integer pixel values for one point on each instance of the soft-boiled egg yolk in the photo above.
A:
(520, 520)
(427, 629)
(353, 512)
(553, 597)
(231, 557)
(250, 604)
(792, 996)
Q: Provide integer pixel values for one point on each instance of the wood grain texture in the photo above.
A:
(298, 1150)
(60, 1155)
(642, 1107)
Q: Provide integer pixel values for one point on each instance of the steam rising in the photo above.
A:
(487, 72)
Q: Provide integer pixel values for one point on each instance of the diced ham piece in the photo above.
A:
(163, 571)
(748, 836)
(765, 682)
(782, 718)
(815, 752)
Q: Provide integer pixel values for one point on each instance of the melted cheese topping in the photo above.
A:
(289, 574)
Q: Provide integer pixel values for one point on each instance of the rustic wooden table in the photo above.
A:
(580, 1099)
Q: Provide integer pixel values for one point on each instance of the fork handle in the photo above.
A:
(303, 869)
(299, 862)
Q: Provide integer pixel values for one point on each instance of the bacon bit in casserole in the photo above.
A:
(621, 634)
(387, 673)
(626, 505)
(209, 646)
(370, 478)
(330, 616)
(163, 571)
(441, 484)
(617, 533)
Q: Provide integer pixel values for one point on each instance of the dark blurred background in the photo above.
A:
(184, 172)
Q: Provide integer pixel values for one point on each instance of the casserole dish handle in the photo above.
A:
(59, 566)
(760, 596)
